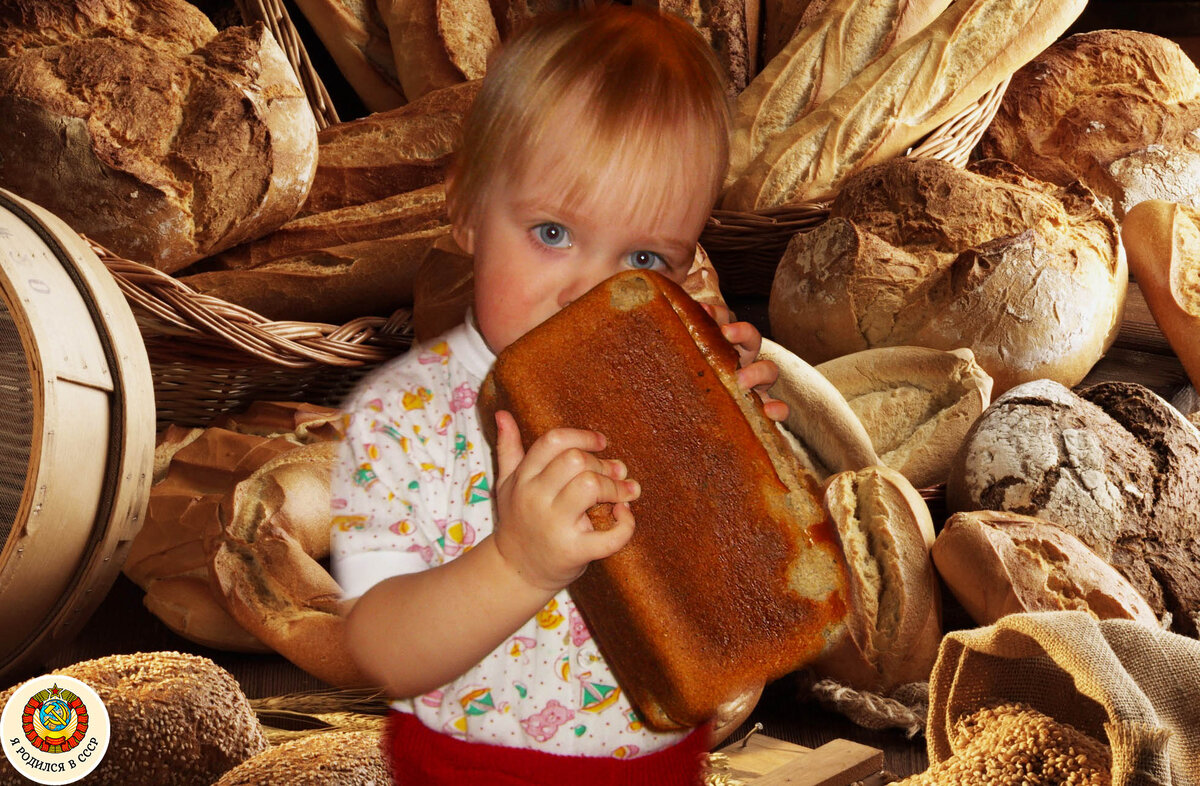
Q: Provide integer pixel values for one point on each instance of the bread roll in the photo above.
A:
(264, 563)
(355, 36)
(345, 758)
(895, 625)
(1031, 277)
(1162, 241)
(147, 130)
(1117, 109)
(731, 577)
(916, 403)
(437, 44)
(906, 93)
(386, 153)
(1114, 465)
(1000, 563)
(825, 53)
(176, 719)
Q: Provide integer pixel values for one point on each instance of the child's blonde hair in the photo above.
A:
(646, 86)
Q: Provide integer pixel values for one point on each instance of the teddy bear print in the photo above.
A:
(542, 726)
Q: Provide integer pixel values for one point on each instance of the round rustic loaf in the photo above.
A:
(147, 130)
(177, 719)
(1117, 109)
(1030, 276)
(1114, 464)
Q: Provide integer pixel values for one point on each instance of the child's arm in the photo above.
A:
(416, 632)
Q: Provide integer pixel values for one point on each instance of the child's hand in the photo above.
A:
(754, 374)
(542, 497)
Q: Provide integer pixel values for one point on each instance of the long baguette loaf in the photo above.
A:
(354, 34)
(732, 577)
(1162, 241)
(909, 91)
(823, 55)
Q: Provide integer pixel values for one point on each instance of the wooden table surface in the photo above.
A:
(122, 624)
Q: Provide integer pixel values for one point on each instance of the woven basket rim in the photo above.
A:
(173, 316)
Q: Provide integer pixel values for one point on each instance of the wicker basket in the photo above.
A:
(208, 356)
(273, 14)
(745, 247)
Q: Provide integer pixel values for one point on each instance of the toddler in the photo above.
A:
(597, 144)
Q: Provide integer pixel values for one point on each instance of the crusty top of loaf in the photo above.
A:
(1091, 101)
(171, 24)
(731, 577)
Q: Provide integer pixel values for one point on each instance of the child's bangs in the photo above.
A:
(648, 160)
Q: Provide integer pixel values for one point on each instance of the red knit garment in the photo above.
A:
(423, 757)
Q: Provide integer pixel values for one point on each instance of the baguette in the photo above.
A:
(355, 37)
(411, 211)
(823, 55)
(903, 95)
(1162, 243)
(388, 153)
(731, 577)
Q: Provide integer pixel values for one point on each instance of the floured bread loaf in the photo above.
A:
(732, 577)
(1117, 109)
(1030, 276)
(1115, 465)
(147, 130)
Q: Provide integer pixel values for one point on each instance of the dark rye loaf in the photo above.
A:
(1114, 464)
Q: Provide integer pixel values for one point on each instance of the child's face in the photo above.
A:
(535, 252)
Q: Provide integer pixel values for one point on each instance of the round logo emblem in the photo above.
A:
(55, 729)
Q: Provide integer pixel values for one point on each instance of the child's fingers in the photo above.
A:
(599, 544)
(590, 488)
(509, 450)
(565, 441)
(744, 336)
(760, 374)
(775, 409)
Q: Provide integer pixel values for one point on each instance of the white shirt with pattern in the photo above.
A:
(414, 490)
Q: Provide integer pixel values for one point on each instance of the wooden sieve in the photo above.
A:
(76, 433)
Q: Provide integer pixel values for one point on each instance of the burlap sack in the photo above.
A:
(1134, 686)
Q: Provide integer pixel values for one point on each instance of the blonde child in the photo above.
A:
(597, 144)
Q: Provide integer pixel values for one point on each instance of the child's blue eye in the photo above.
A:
(553, 235)
(646, 260)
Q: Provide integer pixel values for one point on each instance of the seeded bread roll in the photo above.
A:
(1031, 277)
(1000, 563)
(894, 625)
(345, 758)
(716, 592)
(176, 719)
(1117, 109)
(1114, 464)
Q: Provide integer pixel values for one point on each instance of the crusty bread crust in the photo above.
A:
(732, 577)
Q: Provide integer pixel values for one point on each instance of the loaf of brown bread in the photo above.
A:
(732, 577)
(1117, 109)
(1113, 464)
(354, 34)
(145, 129)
